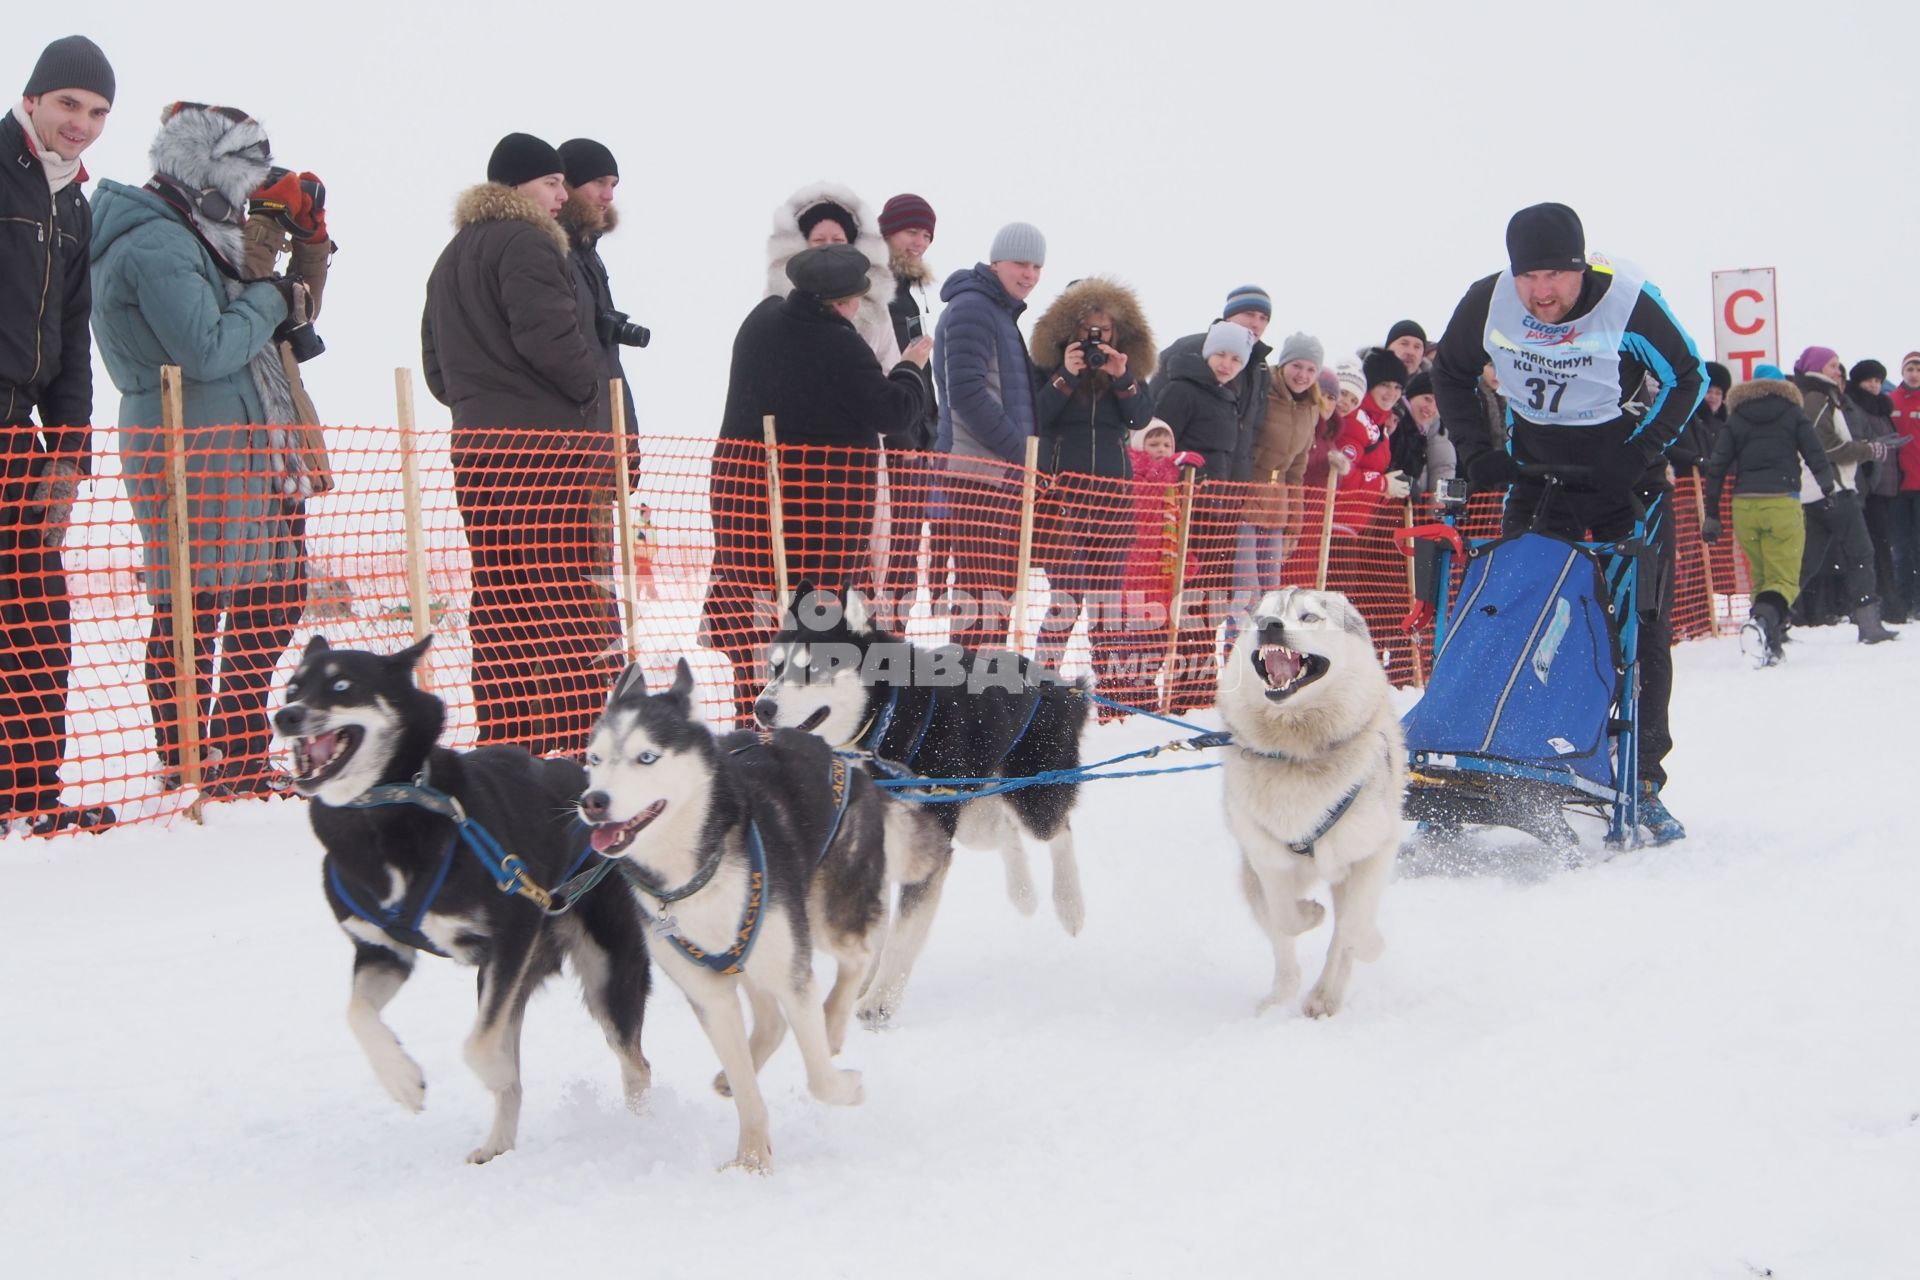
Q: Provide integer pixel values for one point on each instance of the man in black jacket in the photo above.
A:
(588, 217)
(1573, 345)
(45, 365)
(906, 223)
(799, 361)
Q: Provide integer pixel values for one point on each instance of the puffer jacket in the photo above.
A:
(1085, 422)
(1280, 453)
(45, 359)
(1365, 439)
(1871, 417)
(500, 336)
(982, 374)
(1906, 422)
(872, 322)
(1202, 412)
(1764, 441)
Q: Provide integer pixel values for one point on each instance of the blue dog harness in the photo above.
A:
(867, 745)
(402, 920)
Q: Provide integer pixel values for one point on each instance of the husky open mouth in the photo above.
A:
(324, 755)
(1287, 671)
(609, 838)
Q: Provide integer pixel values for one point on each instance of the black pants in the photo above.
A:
(1840, 528)
(36, 639)
(1598, 517)
(239, 646)
(1880, 530)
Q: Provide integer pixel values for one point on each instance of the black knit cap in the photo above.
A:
(1405, 329)
(1383, 366)
(1867, 369)
(521, 157)
(1718, 375)
(1546, 237)
(587, 161)
(819, 213)
(1420, 384)
(71, 62)
(830, 271)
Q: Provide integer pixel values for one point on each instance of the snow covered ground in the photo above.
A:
(1694, 1062)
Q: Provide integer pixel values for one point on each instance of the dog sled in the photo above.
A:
(1531, 710)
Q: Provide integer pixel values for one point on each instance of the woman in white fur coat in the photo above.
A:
(822, 213)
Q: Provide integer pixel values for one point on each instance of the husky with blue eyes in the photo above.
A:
(398, 816)
(749, 851)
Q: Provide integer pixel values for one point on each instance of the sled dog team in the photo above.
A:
(729, 859)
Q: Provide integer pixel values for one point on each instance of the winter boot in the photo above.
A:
(1866, 616)
(1655, 817)
(1765, 630)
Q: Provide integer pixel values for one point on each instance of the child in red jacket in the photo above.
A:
(1147, 583)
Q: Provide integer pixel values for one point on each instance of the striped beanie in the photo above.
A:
(1248, 297)
(905, 212)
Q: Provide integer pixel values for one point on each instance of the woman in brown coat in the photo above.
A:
(1295, 406)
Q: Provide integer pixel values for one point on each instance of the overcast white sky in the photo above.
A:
(1359, 160)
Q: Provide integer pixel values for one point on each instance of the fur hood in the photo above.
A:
(1750, 391)
(914, 273)
(1061, 321)
(493, 202)
(205, 150)
(873, 321)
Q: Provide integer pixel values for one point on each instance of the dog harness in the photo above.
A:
(1332, 817)
(866, 745)
(402, 920)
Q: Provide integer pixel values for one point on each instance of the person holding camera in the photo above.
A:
(587, 217)
(170, 287)
(45, 369)
(505, 346)
(1093, 352)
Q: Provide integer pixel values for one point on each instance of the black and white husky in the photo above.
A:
(750, 850)
(402, 878)
(945, 713)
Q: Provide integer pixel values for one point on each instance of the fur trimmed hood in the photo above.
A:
(1059, 323)
(205, 150)
(873, 321)
(493, 202)
(1747, 392)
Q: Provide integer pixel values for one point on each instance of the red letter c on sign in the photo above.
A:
(1733, 299)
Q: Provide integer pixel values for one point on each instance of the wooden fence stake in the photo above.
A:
(1706, 556)
(1025, 565)
(623, 504)
(1326, 532)
(186, 674)
(419, 601)
(1177, 579)
(778, 519)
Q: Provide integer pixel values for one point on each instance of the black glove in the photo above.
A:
(1710, 530)
(1493, 469)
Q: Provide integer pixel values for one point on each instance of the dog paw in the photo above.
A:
(1321, 1004)
(757, 1160)
(841, 1089)
(487, 1151)
(877, 1016)
(1072, 910)
(720, 1085)
(403, 1080)
(1020, 892)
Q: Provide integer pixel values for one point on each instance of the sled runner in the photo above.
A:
(1532, 707)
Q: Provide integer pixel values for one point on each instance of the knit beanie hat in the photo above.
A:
(819, 213)
(1546, 237)
(71, 62)
(905, 212)
(1302, 346)
(1405, 329)
(1381, 367)
(1719, 376)
(587, 161)
(1329, 381)
(1772, 371)
(1912, 357)
(1815, 359)
(1350, 378)
(1227, 336)
(1867, 369)
(521, 157)
(1019, 242)
(1248, 297)
(1420, 384)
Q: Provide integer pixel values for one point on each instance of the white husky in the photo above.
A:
(1313, 781)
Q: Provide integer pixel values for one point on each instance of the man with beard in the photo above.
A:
(45, 365)
(587, 217)
(1571, 346)
(906, 223)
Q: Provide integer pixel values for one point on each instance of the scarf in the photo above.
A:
(60, 173)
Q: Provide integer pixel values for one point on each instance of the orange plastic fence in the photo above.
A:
(522, 571)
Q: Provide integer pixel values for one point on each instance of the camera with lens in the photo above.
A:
(299, 335)
(1090, 348)
(618, 326)
(1453, 493)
